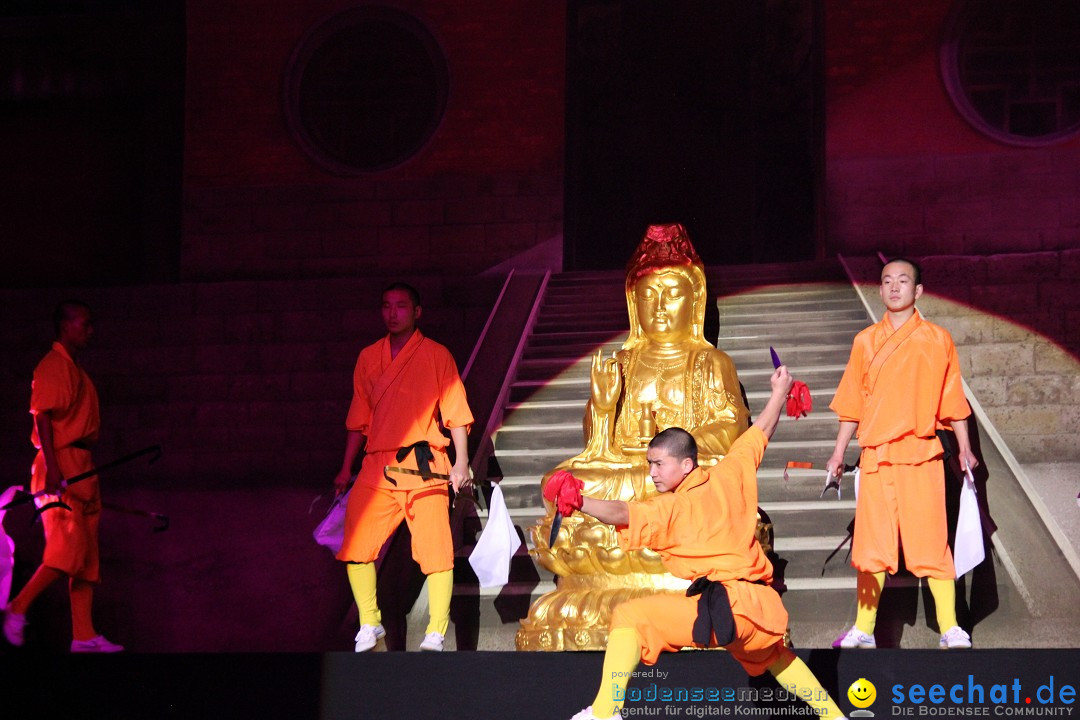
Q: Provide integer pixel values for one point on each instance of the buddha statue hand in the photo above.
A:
(564, 491)
(606, 382)
(606, 386)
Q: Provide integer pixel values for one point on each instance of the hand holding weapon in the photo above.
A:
(23, 497)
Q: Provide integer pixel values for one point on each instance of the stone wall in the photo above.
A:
(487, 186)
(905, 173)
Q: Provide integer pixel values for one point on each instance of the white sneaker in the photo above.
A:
(433, 642)
(587, 714)
(98, 644)
(14, 625)
(855, 638)
(368, 636)
(955, 639)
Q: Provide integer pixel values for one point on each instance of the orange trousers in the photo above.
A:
(71, 536)
(903, 504)
(665, 622)
(374, 513)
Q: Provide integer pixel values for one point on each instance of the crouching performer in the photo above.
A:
(703, 525)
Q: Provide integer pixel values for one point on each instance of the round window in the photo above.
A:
(365, 90)
(1013, 68)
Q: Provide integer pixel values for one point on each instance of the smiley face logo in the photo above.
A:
(862, 693)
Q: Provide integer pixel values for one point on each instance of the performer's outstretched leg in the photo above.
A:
(622, 656)
(42, 578)
(793, 675)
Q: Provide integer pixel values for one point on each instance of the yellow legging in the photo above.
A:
(869, 589)
(362, 580)
(624, 653)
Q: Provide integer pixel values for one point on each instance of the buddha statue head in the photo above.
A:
(665, 290)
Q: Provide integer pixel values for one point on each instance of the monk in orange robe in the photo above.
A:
(64, 404)
(402, 386)
(703, 524)
(901, 385)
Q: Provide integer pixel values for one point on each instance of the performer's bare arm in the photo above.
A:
(53, 476)
(963, 445)
(835, 465)
(769, 417)
(459, 474)
(612, 512)
(354, 442)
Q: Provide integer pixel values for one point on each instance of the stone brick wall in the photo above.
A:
(905, 173)
(487, 186)
(1015, 201)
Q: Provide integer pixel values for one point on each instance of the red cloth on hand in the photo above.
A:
(564, 490)
(799, 401)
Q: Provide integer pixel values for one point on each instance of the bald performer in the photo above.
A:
(901, 385)
(703, 524)
(402, 386)
(64, 404)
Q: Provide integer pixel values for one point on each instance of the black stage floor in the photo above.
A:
(908, 683)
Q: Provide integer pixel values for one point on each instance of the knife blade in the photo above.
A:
(556, 523)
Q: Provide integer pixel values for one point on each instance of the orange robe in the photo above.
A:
(397, 402)
(64, 390)
(901, 386)
(707, 527)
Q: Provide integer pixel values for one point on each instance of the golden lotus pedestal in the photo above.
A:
(577, 615)
(595, 577)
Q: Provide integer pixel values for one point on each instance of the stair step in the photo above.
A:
(786, 293)
(751, 315)
(794, 355)
(782, 302)
(802, 329)
(572, 350)
(760, 340)
(564, 368)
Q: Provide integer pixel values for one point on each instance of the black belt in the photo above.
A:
(713, 612)
(423, 454)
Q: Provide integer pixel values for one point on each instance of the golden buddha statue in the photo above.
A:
(666, 375)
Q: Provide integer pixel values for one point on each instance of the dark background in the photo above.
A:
(696, 112)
